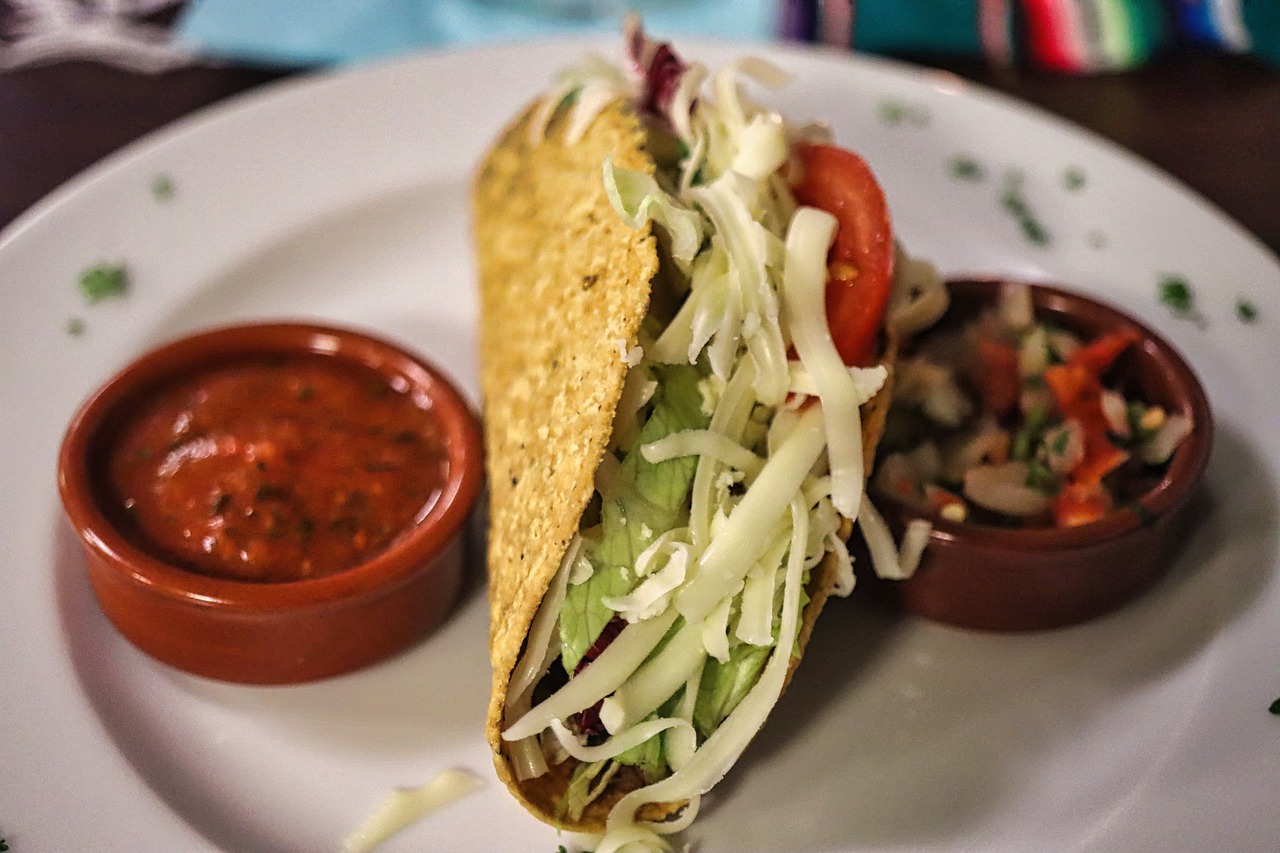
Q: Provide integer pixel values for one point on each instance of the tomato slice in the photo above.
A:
(860, 263)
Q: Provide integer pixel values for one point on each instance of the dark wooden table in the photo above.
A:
(1212, 121)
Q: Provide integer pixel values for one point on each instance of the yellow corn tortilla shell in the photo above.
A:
(564, 285)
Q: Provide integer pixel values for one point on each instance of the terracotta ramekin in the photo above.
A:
(273, 633)
(1005, 579)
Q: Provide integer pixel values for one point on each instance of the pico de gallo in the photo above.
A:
(1010, 419)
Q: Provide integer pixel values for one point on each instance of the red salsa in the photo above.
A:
(276, 470)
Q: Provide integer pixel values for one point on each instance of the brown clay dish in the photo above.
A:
(272, 632)
(1033, 579)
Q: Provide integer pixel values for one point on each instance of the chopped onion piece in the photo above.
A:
(1116, 410)
(1063, 446)
(1003, 488)
(1016, 308)
(407, 805)
(1033, 355)
(1166, 440)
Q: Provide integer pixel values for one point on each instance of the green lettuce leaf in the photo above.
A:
(650, 499)
(724, 684)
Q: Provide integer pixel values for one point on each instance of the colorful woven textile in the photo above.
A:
(1078, 36)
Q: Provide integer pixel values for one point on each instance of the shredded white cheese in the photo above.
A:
(804, 289)
(408, 805)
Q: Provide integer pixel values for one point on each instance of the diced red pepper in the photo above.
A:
(1078, 393)
(1101, 457)
(1098, 355)
(1079, 504)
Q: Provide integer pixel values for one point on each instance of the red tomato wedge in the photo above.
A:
(860, 263)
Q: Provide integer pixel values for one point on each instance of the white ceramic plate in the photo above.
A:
(344, 198)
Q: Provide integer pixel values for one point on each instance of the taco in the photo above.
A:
(685, 363)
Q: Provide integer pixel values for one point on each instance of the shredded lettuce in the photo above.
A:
(723, 489)
(725, 683)
(638, 199)
(648, 499)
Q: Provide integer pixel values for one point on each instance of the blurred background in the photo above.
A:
(1191, 85)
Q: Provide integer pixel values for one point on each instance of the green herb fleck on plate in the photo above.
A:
(75, 327)
(1073, 178)
(896, 113)
(1275, 707)
(1176, 294)
(103, 280)
(1246, 311)
(965, 168)
(3, 845)
(1015, 204)
(162, 188)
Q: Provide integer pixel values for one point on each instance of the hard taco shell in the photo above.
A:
(564, 286)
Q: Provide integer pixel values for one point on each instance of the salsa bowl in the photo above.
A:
(1009, 578)
(273, 503)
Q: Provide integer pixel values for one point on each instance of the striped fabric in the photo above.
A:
(1073, 36)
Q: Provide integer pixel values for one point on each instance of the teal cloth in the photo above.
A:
(924, 26)
(334, 32)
